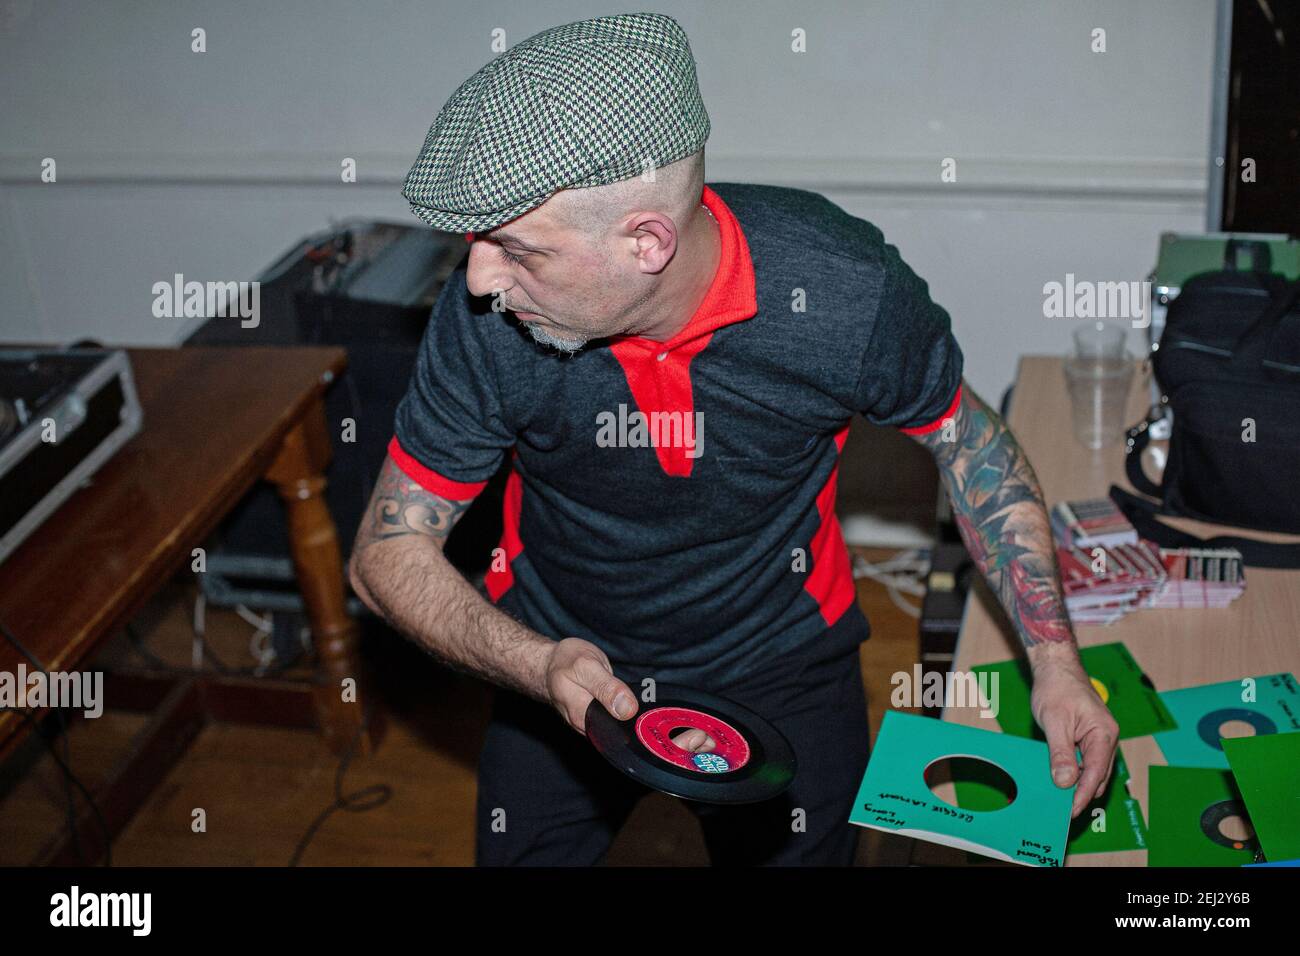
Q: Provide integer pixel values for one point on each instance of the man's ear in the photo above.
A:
(656, 240)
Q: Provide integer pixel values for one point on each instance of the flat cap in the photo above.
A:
(584, 104)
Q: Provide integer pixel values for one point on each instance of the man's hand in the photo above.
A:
(579, 671)
(1067, 708)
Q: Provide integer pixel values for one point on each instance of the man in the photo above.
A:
(673, 368)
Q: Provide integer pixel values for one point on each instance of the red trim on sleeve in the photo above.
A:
(934, 426)
(430, 480)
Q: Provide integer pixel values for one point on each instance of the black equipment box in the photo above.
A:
(62, 415)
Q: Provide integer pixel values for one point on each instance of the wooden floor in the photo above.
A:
(260, 789)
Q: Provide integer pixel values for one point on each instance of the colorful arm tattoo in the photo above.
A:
(999, 510)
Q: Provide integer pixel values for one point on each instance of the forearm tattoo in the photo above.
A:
(400, 507)
(998, 507)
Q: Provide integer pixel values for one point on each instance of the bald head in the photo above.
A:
(675, 192)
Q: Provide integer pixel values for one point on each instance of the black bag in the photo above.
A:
(1228, 364)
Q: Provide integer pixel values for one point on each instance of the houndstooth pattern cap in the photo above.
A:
(584, 104)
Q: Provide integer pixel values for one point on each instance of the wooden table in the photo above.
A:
(216, 420)
(1258, 634)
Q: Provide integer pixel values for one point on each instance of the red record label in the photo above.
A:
(730, 752)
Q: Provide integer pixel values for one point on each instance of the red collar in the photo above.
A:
(731, 296)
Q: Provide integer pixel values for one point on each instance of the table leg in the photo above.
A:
(313, 541)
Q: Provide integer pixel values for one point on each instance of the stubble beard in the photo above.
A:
(543, 337)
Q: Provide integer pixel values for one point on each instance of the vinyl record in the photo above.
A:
(751, 760)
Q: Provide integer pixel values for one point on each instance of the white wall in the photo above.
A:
(212, 164)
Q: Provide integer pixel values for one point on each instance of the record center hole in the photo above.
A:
(1236, 728)
(697, 743)
(985, 785)
(1236, 828)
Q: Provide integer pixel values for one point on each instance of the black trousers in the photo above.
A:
(547, 798)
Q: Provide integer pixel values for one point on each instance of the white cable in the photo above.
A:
(901, 573)
(259, 622)
(259, 644)
(262, 627)
(911, 610)
(260, 647)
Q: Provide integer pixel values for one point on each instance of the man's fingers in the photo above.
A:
(694, 740)
(593, 676)
(618, 699)
(1065, 769)
(1098, 747)
(1105, 782)
(1088, 782)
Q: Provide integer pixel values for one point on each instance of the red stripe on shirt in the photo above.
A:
(500, 576)
(830, 582)
(935, 425)
(430, 480)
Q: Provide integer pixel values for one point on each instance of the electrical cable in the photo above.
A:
(901, 573)
(202, 649)
(355, 802)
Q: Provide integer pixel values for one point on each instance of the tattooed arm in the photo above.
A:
(999, 510)
(399, 570)
(998, 507)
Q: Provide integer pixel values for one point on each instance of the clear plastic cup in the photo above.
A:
(1098, 374)
(1099, 340)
